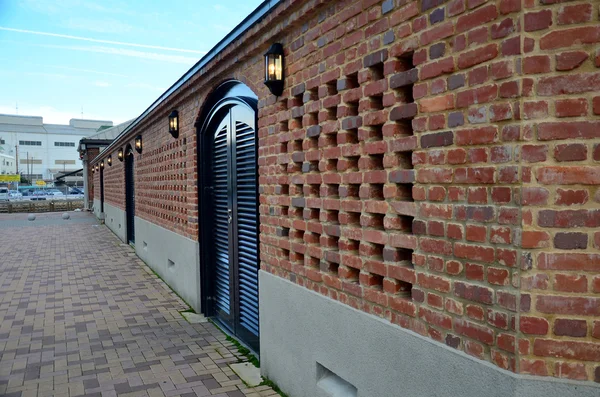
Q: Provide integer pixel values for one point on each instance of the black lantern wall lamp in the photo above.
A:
(274, 69)
(102, 164)
(120, 154)
(109, 161)
(174, 123)
(138, 143)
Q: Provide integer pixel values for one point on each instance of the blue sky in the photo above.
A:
(113, 58)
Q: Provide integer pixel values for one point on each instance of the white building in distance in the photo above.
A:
(7, 164)
(43, 150)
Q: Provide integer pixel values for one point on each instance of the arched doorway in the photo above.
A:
(130, 194)
(229, 211)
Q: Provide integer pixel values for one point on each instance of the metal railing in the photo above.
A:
(40, 206)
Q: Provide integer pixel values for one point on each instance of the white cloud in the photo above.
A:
(98, 25)
(44, 66)
(145, 86)
(51, 75)
(126, 52)
(85, 70)
(65, 36)
(53, 7)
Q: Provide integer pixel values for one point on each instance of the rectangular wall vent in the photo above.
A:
(334, 385)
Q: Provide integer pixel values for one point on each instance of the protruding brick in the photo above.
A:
(438, 139)
(567, 327)
(538, 20)
(476, 18)
(583, 351)
(570, 152)
(569, 84)
(570, 241)
(477, 56)
(533, 325)
(572, 14)
(570, 60)
(571, 107)
(571, 197)
(561, 38)
(404, 79)
(536, 64)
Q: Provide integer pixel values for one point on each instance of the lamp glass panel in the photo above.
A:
(271, 67)
(278, 67)
(267, 68)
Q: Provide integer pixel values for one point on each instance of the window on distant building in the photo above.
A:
(64, 144)
(2, 142)
(30, 143)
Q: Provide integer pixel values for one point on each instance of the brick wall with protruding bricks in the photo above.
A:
(433, 163)
(395, 172)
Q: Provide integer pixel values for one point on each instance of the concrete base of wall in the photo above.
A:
(114, 218)
(100, 215)
(96, 208)
(175, 258)
(313, 346)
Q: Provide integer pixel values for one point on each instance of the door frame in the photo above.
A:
(226, 96)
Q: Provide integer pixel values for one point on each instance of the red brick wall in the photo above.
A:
(409, 212)
(560, 323)
(114, 181)
(165, 180)
(421, 195)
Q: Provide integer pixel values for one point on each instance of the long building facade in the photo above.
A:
(416, 214)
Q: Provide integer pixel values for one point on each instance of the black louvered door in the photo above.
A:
(102, 189)
(130, 197)
(235, 224)
(222, 203)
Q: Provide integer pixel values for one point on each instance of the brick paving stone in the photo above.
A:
(82, 315)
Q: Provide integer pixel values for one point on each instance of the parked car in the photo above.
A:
(54, 192)
(14, 194)
(75, 190)
(4, 194)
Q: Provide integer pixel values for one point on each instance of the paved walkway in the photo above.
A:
(81, 315)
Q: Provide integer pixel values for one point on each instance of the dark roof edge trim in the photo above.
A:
(94, 143)
(256, 16)
(97, 141)
(68, 174)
